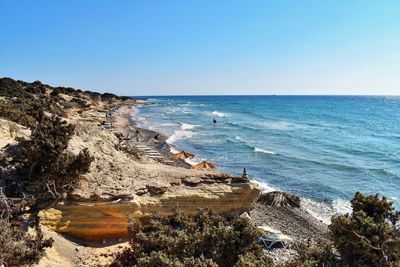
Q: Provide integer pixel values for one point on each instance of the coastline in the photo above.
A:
(299, 223)
(190, 118)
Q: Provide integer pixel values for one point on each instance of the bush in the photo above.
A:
(369, 236)
(50, 170)
(17, 247)
(204, 240)
(322, 254)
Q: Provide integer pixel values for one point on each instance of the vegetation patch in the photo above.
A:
(204, 240)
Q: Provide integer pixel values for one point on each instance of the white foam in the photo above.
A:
(185, 110)
(178, 135)
(191, 161)
(318, 210)
(283, 125)
(135, 110)
(174, 150)
(187, 126)
(218, 114)
(265, 188)
(341, 206)
(167, 124)
(239, 138)
(242, 140)
(260, 150)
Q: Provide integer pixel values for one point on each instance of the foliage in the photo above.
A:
(250, 259)
(17, 247)
(204, 240)
(15, 113)
(316, 255)
(50, 171)
(21, 100)
(369, 236)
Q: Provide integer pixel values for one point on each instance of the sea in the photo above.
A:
(321, 148)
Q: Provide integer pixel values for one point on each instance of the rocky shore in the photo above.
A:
(123, 183)
(120, 182)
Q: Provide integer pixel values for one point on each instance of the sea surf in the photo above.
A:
(322, 148)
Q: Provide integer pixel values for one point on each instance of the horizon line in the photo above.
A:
(383, 95)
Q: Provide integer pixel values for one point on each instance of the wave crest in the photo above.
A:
(260, 150)
(187, 126)
(255, 149)
(218, 114)
(183, 133)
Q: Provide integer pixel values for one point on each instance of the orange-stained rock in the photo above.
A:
(99, 222)
(118, 185)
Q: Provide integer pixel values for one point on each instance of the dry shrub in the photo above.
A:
(17, 246)
(51, 172)
(204, 240)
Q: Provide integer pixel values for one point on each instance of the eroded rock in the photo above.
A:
(192, 181)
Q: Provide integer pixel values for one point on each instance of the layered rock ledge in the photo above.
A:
(119, 186)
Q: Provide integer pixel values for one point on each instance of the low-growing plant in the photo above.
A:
(49, 170)
(322, 254)
(18, 247)
(370, 235)
(207, 239)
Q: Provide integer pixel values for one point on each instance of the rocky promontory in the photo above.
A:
(119, 185)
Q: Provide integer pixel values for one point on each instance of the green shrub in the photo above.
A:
(49, 170)
(17, 246)
(204, 240)
(322, 254)
(369, 236)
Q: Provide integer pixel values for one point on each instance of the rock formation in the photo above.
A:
(118, 186)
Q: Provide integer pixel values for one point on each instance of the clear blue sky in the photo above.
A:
(204, 47)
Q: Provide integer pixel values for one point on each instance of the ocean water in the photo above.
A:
(322, 148)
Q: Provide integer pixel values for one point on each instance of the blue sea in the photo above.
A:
(322, 148)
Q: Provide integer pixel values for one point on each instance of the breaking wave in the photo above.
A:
(255, 149)
(183, 133)
(218, 114)
(187, 126)
(260, 150)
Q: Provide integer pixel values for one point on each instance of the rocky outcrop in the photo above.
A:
(119, 187)
(108, 222)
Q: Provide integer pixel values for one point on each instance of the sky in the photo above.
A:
(204, 47)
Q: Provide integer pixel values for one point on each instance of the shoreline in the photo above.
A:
(320, 209)
(265, 188)
(299, 223)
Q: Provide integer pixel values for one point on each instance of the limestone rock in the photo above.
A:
(192, 181)
(158, 188)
